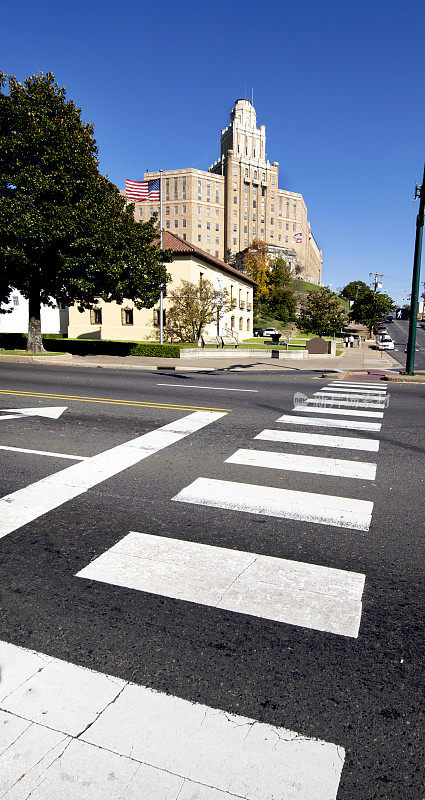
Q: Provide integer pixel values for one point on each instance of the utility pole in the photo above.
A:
(411, 342)
(376, 282)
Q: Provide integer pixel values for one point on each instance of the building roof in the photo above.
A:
(179, 246)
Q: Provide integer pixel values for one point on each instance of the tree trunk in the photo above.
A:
(35, 341)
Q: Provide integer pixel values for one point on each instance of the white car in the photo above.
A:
(269, 331)
(385, 343)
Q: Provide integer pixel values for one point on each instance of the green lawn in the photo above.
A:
(24, 353)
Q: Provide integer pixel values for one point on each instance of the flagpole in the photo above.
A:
(161, 294)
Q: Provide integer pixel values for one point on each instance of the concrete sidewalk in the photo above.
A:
(362, 358)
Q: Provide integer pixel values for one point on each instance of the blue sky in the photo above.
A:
(339, 85)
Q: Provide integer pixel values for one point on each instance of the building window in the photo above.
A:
(199, 189)
(217, 240)
(271, 220)
(246, 172)
(279, 237)
(126, 316)
(263, 177)
(184, 223)
(280, 206)
(167, 224)
(254, 204)
(208, 226)
(287, 208)
(272, 195)
(140, 213)
(176, 223)
(286, 239)
(273, 180)
(96, 316)
(235, 228)
(184, 189)
(247, 324)
(245, 242)
(235, 171)
(217, 194)
(175, 189)
(235, 186)
(151, 211)
(167, 188)
(216, 253)
(246, 202)
(15, 300)
(217, 213)
(217, 226)
(287, 226)
(272, 208)
(208, 191)
(208, 212)
(199, 237)
(254, 217)
(199, 224)
(245, 230)
(208, 239)
(246, 189)
(232, 322)
(184, 209)
(235, 200)
(176, 209)
(294, 227)
(234, 242)
(184, 236)
(241, 323)
(295, 209)
(280, 224)
(271, 234)
(167, 209)
(199, 209)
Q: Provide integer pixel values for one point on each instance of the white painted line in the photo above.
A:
(135, 742)
(357, 384)
(11, 416)
(33, 501)
(52, 412)
(341, 411)
(307, 595)
(338, 467)
(323, 400)
(348, 424)
(348, 390)
(213, 388)
(342, 512)
(42, 453)
(320, 440)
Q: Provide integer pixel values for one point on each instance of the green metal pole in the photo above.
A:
(411, 342)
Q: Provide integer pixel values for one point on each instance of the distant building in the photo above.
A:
(237, 200)
(190, 263)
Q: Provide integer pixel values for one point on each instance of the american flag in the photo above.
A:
(137, 191)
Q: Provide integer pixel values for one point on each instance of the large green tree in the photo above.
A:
(280, 303)
(354, 290)
(370, 308)
(66, 233)
(321, 313)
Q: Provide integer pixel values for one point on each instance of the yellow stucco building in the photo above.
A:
(190, 263)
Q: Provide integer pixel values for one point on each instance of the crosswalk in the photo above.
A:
(163, 745)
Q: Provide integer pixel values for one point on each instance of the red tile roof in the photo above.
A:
(170, 241)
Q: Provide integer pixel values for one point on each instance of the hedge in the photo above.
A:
(84, 347)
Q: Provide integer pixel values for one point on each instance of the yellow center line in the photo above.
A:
(137, 403)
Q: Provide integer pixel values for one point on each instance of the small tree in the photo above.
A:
(321, 313)
(66, 234)
(370, 308)
(193, 307)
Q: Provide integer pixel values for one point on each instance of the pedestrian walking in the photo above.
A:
(351, 340)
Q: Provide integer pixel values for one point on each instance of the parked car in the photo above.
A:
(269, 331)
(385, 343)
(389, 318)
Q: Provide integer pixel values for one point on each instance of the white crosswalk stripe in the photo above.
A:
(292, 592)
(342, 512)
(108, 738)
(342, 411)
(319, 440)
(340, 467)
(348, 424)
(338, 400)
(332, 389)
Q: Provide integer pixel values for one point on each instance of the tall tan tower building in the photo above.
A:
(237, 200)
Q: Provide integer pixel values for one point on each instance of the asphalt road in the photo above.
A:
(363, 693)
(399, 331)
